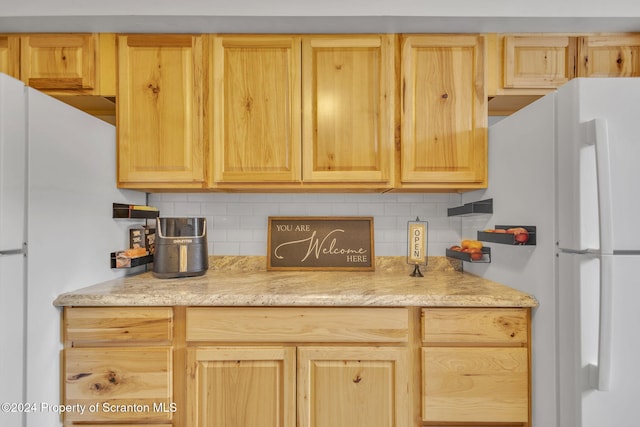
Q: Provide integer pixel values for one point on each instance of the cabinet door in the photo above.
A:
(348, 97)
(10, 56)
(119, 384)
(256, 109)
(444, 112)
(538, 61)
(475, 385)
(241, 386)
(59, 61)
(609, 56)
(353, 387)
(160, 111)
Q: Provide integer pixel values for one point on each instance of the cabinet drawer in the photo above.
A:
(507, 326)
(120, 384)
(115, 324)
(475, 385)
(294, 324)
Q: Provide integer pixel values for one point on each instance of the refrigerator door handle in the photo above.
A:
(595, 133)
(601, 378)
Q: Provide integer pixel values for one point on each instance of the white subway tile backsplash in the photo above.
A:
(237, 222)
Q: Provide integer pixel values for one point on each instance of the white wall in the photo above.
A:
(462, 8)
(237, 223)
(319, 16)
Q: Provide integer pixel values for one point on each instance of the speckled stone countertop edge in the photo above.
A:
(244, 281)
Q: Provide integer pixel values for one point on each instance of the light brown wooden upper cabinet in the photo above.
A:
(59, 61)
(10, 55)
(538, 61)
(160, 111)
(444, 112)
(348, 104)
(609, 55)
(524, 67)
(293, 112)
(256, 109)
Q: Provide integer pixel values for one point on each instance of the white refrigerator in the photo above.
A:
(567, 164)
(57, 187)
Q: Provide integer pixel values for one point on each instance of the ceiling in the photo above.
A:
(312, 24)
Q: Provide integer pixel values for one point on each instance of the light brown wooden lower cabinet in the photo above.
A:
(475, 385)
(339, 387)
(298, 367)
(356, 386)
(119, 384)
(241, 386)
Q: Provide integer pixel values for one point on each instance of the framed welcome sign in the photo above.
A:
(320, 243)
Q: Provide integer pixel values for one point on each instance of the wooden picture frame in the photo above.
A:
(320, 243)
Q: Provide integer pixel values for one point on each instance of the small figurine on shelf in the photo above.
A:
(417, 245)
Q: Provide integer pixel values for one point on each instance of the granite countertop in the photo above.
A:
(244, 281)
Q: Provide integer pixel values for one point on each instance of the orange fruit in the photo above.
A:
(475, 254)
(475, 244)
(465, 243)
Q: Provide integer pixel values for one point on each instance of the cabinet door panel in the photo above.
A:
(444, 111)
(353, 387)
(348, 98)
(609, 56)
(59, 61)
(475, 385)
(538, 61)
(256, 106)
(241, 386)
(160, 113)
(125, 384)
(10, 56)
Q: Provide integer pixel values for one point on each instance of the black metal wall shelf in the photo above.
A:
(466, 256)
(508, 238)
(122, 210)
(474, 208)
(126, 262)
